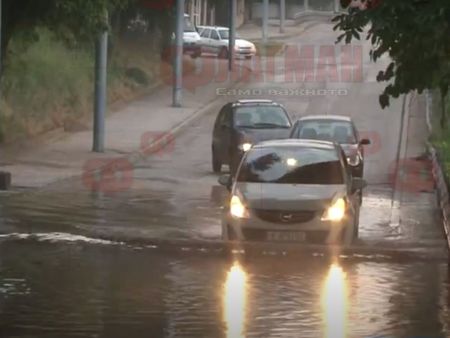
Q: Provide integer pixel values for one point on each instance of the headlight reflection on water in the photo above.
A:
(235, 301)
(335, 303)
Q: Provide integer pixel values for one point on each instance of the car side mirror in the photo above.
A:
(226, 181)
(358, 184)
(364, 142)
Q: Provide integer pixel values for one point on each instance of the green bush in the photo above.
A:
(46, 75)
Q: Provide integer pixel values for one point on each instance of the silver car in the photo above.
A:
(295, 191)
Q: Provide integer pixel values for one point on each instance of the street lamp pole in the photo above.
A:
(265, 19)
(282, 15)
(101, 64)
(232, 35)
(178, 61)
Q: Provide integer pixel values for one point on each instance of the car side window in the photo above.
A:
(214, 35)
(205, 33)
(224, 117)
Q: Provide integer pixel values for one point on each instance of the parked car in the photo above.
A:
(295, 191)
(241, 124)
(214, 40)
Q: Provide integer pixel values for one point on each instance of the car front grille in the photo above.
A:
(312, 237)
(284, 216)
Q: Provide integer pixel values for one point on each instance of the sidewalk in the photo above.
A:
(418, 214)
(129, 130)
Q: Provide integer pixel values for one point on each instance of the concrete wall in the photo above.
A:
(274, 10)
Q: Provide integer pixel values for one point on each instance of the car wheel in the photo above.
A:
(223, 54)
(196, 54)
(216, 164)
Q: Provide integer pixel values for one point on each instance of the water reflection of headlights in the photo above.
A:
(335, 303)
(235, 301)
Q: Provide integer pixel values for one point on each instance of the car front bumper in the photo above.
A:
(256, 229)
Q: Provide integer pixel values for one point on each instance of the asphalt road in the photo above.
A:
(173, 194)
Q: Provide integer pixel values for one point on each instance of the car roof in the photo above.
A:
(254, 101)
(297, 143)
(326, 117)
(214, 27)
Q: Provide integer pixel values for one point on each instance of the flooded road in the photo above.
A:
(70, 267)
(85, 290)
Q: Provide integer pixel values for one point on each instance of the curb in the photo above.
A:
(438, 175)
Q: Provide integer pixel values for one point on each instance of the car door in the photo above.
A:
(222, 133)
(204, 40)
(215, 42)
(358, 139)
(353, 196)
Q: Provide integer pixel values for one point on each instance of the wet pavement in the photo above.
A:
(105, 290)
(68, 267)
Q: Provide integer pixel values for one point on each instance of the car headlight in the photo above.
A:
(237, 208)
(335, 212)
(245, 146)
(354, 160)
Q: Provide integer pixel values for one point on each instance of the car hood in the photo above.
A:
(191, 35)
(243, 43)
(273, 196)
(254, 136)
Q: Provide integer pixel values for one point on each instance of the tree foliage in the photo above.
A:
(414, 33)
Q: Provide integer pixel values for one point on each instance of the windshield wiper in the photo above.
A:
(270, 125)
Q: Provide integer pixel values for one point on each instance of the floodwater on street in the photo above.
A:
(70, 265)
(83, 290)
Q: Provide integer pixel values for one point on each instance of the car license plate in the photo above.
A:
(285, 236)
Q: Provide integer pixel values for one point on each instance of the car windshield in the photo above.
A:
(300, 165)
(261, 116)
(328, 130)
(188, 25)
(224, 34)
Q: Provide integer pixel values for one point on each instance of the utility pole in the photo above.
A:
(232, 34)
(283, 14)
(265, 20)
(306, 4)
(178, 57)
(101, 64)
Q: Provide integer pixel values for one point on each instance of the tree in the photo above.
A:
(80, 19)
(416, 36)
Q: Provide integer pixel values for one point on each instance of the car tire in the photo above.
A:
(216, 164)
(223, 54)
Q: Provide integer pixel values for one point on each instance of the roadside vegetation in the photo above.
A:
(440, 137)
(48, 60)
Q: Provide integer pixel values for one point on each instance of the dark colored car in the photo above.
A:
(294, 191)
(335, 128)
(243, 123)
